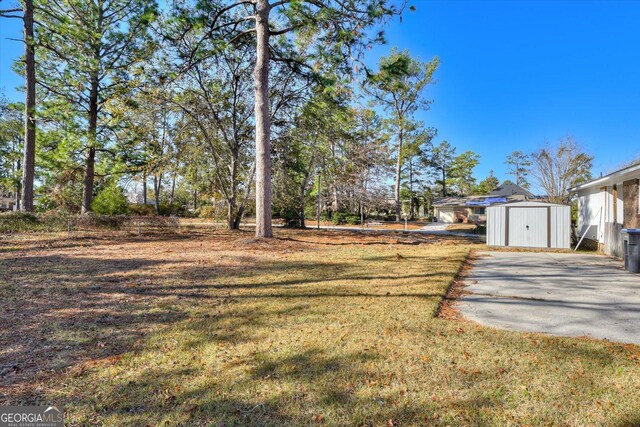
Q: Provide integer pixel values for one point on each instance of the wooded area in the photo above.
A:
(230, 109)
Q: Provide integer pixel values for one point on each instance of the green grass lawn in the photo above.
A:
(310, 328)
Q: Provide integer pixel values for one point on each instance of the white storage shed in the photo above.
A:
(529, 225)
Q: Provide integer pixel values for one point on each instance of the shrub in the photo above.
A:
(291, 218)
(17, 221)
(340, 218)
(175, 209)
(110, 201)
(45, 203)
(21, 222)
(141, 210)
(209, 212)
(353, 219)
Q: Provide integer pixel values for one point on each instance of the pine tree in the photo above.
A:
(519, 166)
(89, 48)
(29, 145)
(398, 88)
(487, 185)
(307, 35)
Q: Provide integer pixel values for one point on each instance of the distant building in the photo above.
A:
(473, 208)
(135, 194)
(7, 200)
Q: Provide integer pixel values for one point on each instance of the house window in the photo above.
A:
(479, 211)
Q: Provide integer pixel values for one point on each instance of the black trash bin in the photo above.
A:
(632, 249)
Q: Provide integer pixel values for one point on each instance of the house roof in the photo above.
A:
(450, 201)
(612, 178)
(511, 189)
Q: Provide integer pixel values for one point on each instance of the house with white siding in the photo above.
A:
(607, 205)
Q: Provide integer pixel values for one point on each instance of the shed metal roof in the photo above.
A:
(530, 203)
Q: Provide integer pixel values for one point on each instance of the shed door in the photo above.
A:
(528, 227)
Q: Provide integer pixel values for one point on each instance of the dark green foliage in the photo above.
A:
(353, 219)
(143, 210)
(453, 173)
(487, 185)
(110, 201)
(17, 222)
(11, 137)
(87, 57)
(21, 222)
(341, 218)
(291, 217)
(175, 209)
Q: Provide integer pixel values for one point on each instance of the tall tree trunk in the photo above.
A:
(157, 187)
(87, 191)
(363, 198)
(29, 153)
(335, 205)
(195, 199)
(303, 189)
(18, 196)
(318, 198)
(231, 214)
(444, 183)
(232, 200)
(398, 176)
(411, 204)
(173, 187)
(263, 122)
(238, 220)
(144, 188)
(90, 161)
(302, 216)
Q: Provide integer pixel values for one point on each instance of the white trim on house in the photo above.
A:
(612, 178)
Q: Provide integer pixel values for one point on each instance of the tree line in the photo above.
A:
(234, 107)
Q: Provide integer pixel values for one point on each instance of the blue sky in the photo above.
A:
(516, 73)
(513, 74)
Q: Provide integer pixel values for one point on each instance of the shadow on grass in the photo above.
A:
(309, 385)
(254, 344)
(65, 309)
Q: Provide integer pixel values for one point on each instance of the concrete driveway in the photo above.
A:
(560, 294)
